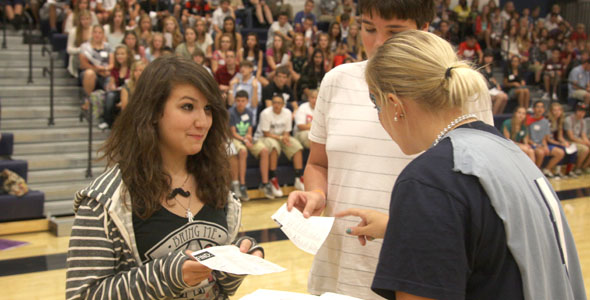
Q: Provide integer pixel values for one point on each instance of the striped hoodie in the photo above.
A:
(103, 261)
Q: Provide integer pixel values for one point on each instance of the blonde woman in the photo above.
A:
(155, 49)
(115, 29)
(119, 75)
(204, 40)
(96, 62)
(172, 33)
(470, 217)
(186, 49)
(556, 119)
(76, 37)
(129, 87)
(72, 19)
(144, 30)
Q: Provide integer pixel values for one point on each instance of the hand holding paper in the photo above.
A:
(229, 259)
(307, 234)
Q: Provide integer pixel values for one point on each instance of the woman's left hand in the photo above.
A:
(245, 246)
(372, 225)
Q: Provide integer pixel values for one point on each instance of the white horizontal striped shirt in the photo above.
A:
(363, 164)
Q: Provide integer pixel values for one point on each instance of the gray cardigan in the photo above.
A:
(103, 261)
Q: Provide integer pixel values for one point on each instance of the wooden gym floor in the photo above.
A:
(37, 270)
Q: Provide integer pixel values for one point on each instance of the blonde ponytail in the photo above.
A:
(421, 66)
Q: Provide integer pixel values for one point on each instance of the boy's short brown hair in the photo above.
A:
(421, 11)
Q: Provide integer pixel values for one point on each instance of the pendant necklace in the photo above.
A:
(185, 194)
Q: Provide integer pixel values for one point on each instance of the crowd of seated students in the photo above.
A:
(535, 52)
(549, 138)
(263, 81)
(270, 85)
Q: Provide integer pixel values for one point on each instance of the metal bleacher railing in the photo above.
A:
(89, 118)
(49, 71)
(28, 37)
(4, 27)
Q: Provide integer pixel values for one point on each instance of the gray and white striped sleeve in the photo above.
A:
(94, 263)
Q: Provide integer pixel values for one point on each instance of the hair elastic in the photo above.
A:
(448, 72)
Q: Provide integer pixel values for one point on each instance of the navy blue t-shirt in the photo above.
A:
(444, 239)
(242, 121)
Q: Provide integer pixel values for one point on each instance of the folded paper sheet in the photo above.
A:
(307, 234)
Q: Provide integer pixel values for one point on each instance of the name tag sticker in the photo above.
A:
(537, 127)
(511, 77)
(104, 54)
(245, 117)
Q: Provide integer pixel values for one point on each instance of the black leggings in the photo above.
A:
(110, 107)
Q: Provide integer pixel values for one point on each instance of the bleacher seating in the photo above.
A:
(6, 145)
(285, 172)
(29, 206)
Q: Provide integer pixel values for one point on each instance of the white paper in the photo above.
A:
(263, 294)
(571, 149)
(307, 234)
(229, 259)
(332, 296)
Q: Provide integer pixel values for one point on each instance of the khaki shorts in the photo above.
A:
(272, 144)
(579, 94)
(581, 147)
(303, 138)
(257, 148)
(239, 145)
(535, 68)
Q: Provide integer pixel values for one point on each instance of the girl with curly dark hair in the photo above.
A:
(164, 195)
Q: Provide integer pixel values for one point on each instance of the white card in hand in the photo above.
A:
(229, 259)
(307, 234)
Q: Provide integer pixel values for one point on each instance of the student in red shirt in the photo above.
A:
(580, 33)
(469, 49)
(341, 54)
(225, 73)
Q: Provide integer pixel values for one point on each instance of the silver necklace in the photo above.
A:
(451, 125)
(189, 213)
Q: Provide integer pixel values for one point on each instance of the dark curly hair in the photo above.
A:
(134, 141)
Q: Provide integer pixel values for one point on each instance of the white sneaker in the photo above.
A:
(545, 97)
(103, 126)
(276, 188)
(235, 188)
(554, 97)
(267, 190)
(299, 184)
(547, 173)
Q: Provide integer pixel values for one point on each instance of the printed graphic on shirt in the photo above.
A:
(277, 126)
(195, 236)
(242, 127)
